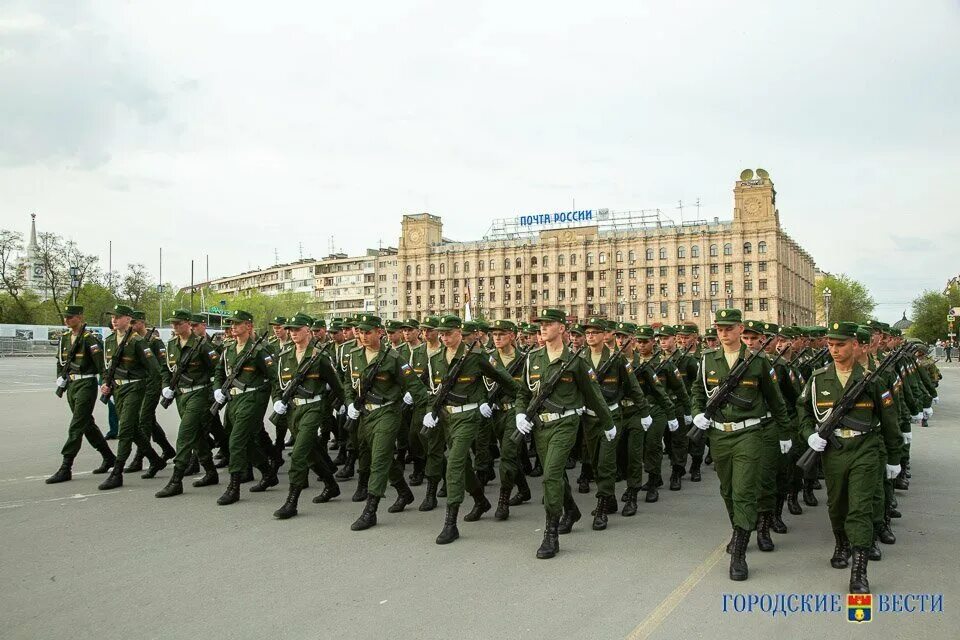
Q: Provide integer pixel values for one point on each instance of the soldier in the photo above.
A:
(215, 427)
(318, 391)
(137, 367)
(279, 341)
(349, 440)
(245, 404)
(577, 337)
(558, 421)
(851, 472)
(688, 337)
(737, 442)
(464, 409)
(78, 366)
(673, 374)
(710, 340)
(197, 361)
(789, 477)
(417, 359)
(434, 441)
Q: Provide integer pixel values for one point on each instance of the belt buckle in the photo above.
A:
(727, 426)
(846, 433)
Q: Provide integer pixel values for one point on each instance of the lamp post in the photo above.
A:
(827, 296)
(74, 282)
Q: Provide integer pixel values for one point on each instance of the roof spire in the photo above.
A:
(33, 232)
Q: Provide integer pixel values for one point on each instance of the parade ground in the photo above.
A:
(81, 563)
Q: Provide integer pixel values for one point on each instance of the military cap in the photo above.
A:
(612, 325)
(788, 332)
(625, 328)
(644, 332)
(504, 325)
(335, 325)
(392, 325)
(552, 315)
(710, 332)
(482, 325)
(688, 329)
(348, 322)
(72, 310)
(139, 315)
(122, 310)
(728, 316)
(842, 330)
(596, 323)
(319, 323)
(242, 316)
(576, 329)
(876, 325)
(430, 322)
(864, 334)
(818, 332)
(409, 323)
(771, 329)
(226, 322)
(368, 322)
(297, 321)
(532, 328)
(469, 326)
(198, 318)
(896, 333)
(754, 326)
(278, 321)
(665, 330)
(450, 322)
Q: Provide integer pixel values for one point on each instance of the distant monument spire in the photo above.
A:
(33, 233)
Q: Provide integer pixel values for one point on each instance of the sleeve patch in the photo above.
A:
(95, 348)
(592, 374)
(493, 361)
(268, 359)
(148, 352)
(886, 398)
(406, 369)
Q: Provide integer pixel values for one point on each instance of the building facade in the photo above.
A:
(632, 266)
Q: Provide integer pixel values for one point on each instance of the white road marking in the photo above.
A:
(77, 497)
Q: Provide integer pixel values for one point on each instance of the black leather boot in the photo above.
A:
(695, 462)
(571, 515)
(108, 459)
(551, 540)
(777, 524)
(675, 474)
(268, 478)
(738, 555)
(232, 494)
(193, 466)
(764, 541)
(630, 504)
(156, 464)
(892, 512)
(174, 485)
(442, 491)
(361, 492)
(808, 498)
(449, 533)
(858, 572)
(874, 552)
(115, 479)
(210, 476)
(334, 444)
(341, 458)
(523, 491)
(537, 470)
(885, 534)
(330, 491)
(404, 497)
(841, 552)
(793, 504)
(733, 536)
(708, 459)
(136, 464)
(583, 482)
(600, 514)
(368, 517)
(289, 508)
(63, 473)
(503, 505)
(430, 499)
(901, 483)
(652, 494)
(480, 506)
(247, 474)
(349, 468)
(416, 478)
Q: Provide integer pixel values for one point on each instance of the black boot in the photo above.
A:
(600, 514)
(334, 445)
(174, 485)
(738, 555)
(630, 504)
(808, 498)
(368, 517)
(348, 469)
(442, 491)
(289, 508)
(222, 459)
(901, 483)
(136, 464)
(793, 505)
(675, 475)
(503, 505)
(583, 482)
(764, 541)
(341, 458)
(892, 512)
(480, 506)
(115, 479)
(404, 497)
(652, 494)
(247, 474)
(695, 462)
(193, 466)
(708, 460)
(416, 478)
(551, 540)
(571, 515)
(523, 491)
(210, 476)
(63, 473)
(361, 493)
(858, 572)
(841, 552)
(330, 491)
(430, 499)
(232, 494)
(449, 533)
(537, 470)
(268, 478)
(108, 459)
(874, 552)
(885, 534)
(156, 464)
(777, 524)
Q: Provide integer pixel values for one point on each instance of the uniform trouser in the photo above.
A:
(194, 410)
(678, 443)
(695, 449)
(555, 441)
(788, 474)
(880, 499)
(644, 448)
(280, 430)
(217, 429)
(737, 459)
(403, 428)
(590, 436)
(82, 398)
(417, 444)
(245, 415)
(851, 477)
(461, 433)
(129, 398)
(481, 445)
(769, 462)
(304, 423)
(113, 422)
(435, 441)
(148, 409)
(504, 424)
(377, 436)
(605, 473)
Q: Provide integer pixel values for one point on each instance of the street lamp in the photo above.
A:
(74, 282)
(827, 296)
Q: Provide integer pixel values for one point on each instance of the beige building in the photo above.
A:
(633, 266)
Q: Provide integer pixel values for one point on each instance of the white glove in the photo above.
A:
(673, 425)
(917, 419)
(335, 413)
(408, 399)
(219, 396)
(343, 409)
(785, 446)
(429, 421)
(486, 410)
(928, 413)
(907, 437)
(893, 470)
(646, 422)
(611, 433)
(816, 442)
(167, 393)
(687, 420)
(352, 412)
(61, 382)
(702, 422)
(936, 400)
(280, 407)
(524, 426)
(580, 410)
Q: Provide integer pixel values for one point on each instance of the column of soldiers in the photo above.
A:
(451, 397)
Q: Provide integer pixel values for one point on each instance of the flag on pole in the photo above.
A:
(466, 308)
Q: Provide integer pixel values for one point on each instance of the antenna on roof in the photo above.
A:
(698, 208)
(276, 256)
(681, 211)
(301, 250)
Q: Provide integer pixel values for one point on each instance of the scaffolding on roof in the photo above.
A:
(604, 219)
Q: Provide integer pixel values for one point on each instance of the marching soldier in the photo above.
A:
(434, 440)
(276, 343)
(418, 360)
(673, 373)
(79, 362)
(151, 398)
(349, 440)
(788, 477)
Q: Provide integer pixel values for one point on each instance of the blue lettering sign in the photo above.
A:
(560, 217)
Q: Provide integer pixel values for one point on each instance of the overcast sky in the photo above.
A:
(237, 128)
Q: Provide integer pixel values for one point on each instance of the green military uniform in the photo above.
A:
(349, 438)
(688, 366)
(151, 398)
(398, 344)
(789, 478)
(483, 460)
(434, 440)
(673, 375)
(645, 435)
(276, 346)
(78, 374)
(418, 360)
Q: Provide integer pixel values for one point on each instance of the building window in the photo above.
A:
(747, 267)
(632, 274)
(728, 249)
(603, 258)
(748, 305)
(456, 267)
(632, 255)
(696, 307)
(664, 308)
(466, 267)
(433, 268)
(506, 264)
(663, 272)
(619, 256)
(533, 261)
(695, 289)
(649, 272)
(663, 290)
(663, 253)
(649, 254)
(573, 259)
(747, 248)
(762, 266)
(573, 276)
(649, 290)
(763, 304)
(713, 251)
(560, 260)
(491, 265)
(589, 259)
(728, 287)
(695, 251)
(695, 271)
(763, 284)
(714, 288)
(761, 248)
(728, 268)
(418, 270)
(480, 266)
(493, 296)
(748, 285)
(603, 292)
(714, 269)
(519, 263)
(545, 262)
(619, 274)
(681, 252)
(681, 289)
(408, 270)
(650, 309)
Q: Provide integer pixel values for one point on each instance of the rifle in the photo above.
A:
(663, 362)
(533, 409)
(827, 428)
(185, 360)
(296, 384)
(231, 380)
(371, 373)
(725, 389)
(817, 357)
(799, 356)
(496, 392)
(453, 372)
(109, 378)
(74, 350)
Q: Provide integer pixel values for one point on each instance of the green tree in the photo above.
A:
(15, 307)
(849, 299)
(930, 314)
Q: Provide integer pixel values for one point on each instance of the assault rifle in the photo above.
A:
(74, 350)
(231, 380)
(533, 409)
(296, 384)
(496, 392)
(365, 385)
(453, 372)
(110, 377)
(182, 364)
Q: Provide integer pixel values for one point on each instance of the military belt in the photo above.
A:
(737, 426)
(120, 383)
(82, 376)
(612, 407)
(234, 391)
(848, 433)
(302, 401)
(627, 402)
(553, 417)
(505, 406)
(374, 407)
(184, 390)
(461, 408)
